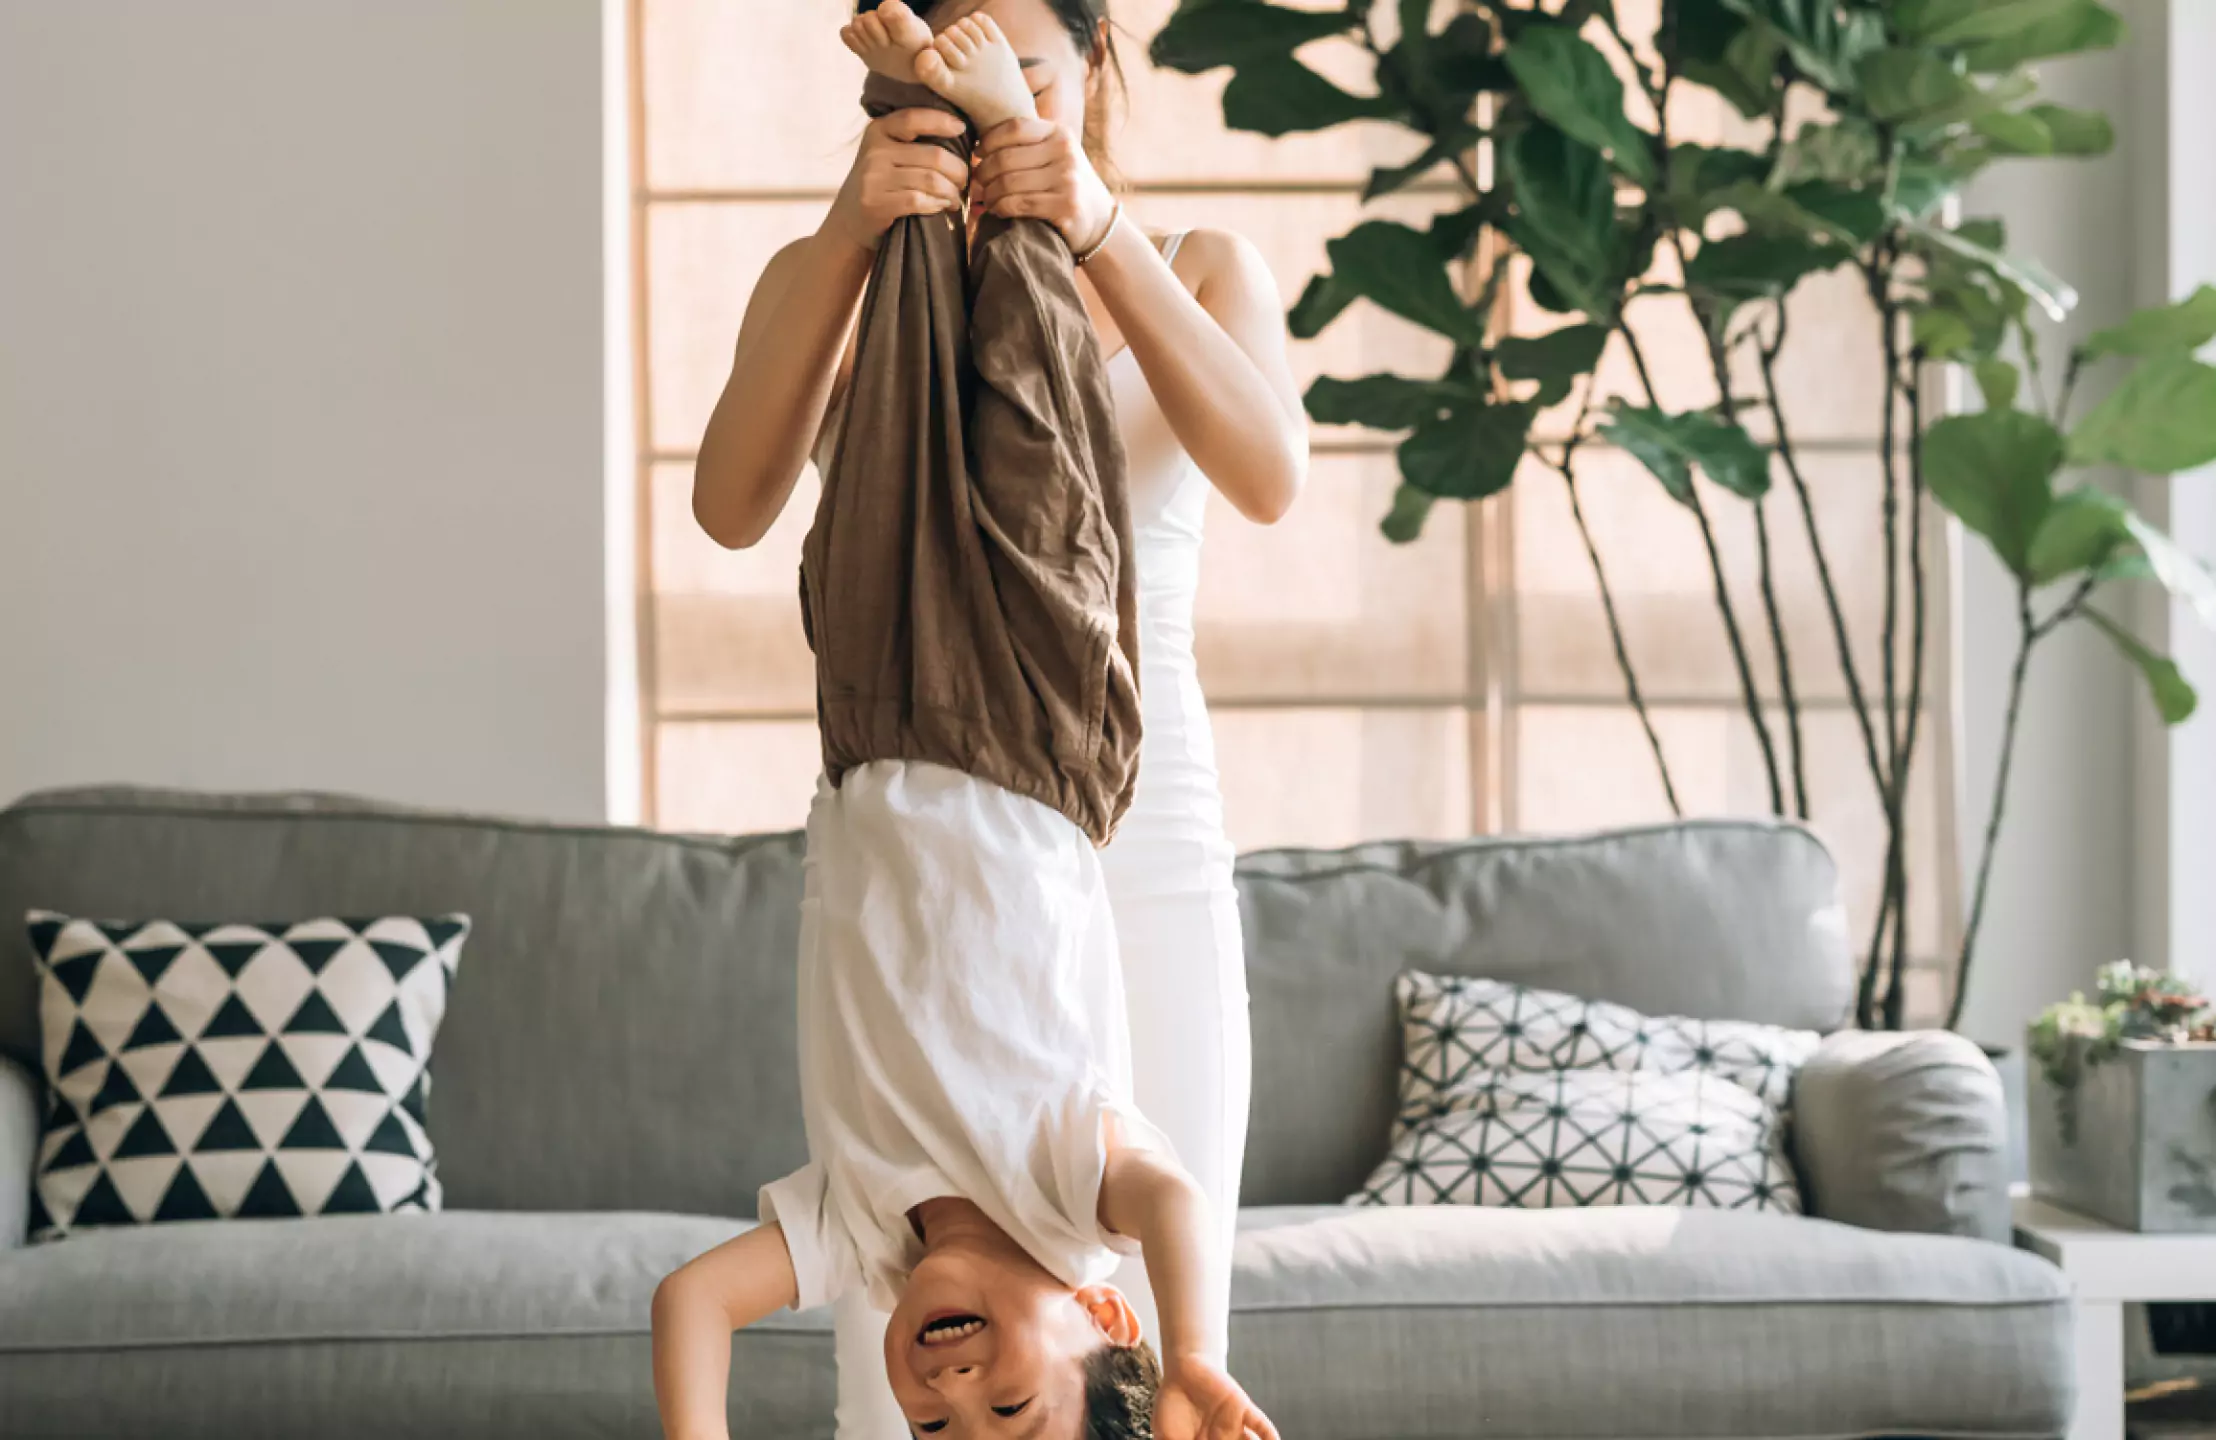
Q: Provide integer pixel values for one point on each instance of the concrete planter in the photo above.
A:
(2134, 1141)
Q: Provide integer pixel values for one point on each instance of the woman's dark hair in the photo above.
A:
(1094, 34)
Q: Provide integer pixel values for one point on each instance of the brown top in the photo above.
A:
(968, 585)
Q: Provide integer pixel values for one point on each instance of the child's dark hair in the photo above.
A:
(1120, 1383)
(1095, 36)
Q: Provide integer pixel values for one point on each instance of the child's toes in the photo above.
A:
(931, 67)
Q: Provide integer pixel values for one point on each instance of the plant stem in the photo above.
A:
(1616, 639)
(1608, 600)
(1896, 817)
(1796, 749)
(1724, 607)
(1719, 362)
(1849, 671)
(2028, 635)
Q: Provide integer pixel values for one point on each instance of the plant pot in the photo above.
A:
(2133, 1141)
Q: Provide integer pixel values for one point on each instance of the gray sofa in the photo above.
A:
(616, 1076)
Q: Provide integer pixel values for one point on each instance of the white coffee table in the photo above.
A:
(2111, 1268)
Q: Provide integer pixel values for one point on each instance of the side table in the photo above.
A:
(2109, 1269)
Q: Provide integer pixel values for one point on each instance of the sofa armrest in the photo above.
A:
(18, 1150)
(1904, 1131)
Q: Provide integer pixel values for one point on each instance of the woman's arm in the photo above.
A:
(786, 366)
(696, 1309)
(1215, 360)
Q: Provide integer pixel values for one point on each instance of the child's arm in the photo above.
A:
(1146, 1195)
(696, 1309)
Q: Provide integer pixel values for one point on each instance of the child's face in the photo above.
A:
(985, 1343)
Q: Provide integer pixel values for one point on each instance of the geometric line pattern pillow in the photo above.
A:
(1574, 1101)
(1454, 1026)
(1546, 1140)
(212, 1071)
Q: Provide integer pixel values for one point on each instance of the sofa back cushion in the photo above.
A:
(620, 1036)
(1717, 920)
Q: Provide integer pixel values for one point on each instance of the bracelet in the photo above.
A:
(1115, 218)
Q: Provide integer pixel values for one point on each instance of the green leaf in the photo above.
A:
(1997, 381)
(1904, 83)
(2082, 529)
(2167, 686)
(1921, 185)
(1400, 270)
(1844, 152)
(2054, 297)
(2015, 132)
(1750, 266)
(1960, 22)
(2084, 25)
(1554, 359)
(1461, 61)
(1732, 57)
(1671, 445)
(1813, 209)
(1825, 44)
(1388, 179)
(1700, 175)
(1941, 333)
(2185, 577)
(1994, 471)
(1565, 215)
(1469, 455)
(1572, 85)
(2178, 329)
(1322, 302)
(1404, 522)
(1277, 95)
(2160, 420)
(1453, 232)
(1239, 32)
(1384, 402)
(2075, 132)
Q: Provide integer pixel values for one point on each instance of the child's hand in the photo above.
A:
(1198, 1401)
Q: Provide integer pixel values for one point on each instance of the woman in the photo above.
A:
(1193, 329)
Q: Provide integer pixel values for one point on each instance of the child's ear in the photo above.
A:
(1111, 1314)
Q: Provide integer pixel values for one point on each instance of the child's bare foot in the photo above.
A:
(972, 65)
(889, 39)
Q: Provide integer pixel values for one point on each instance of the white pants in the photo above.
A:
(1184, 981)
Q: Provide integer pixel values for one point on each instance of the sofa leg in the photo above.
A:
(2100, 1371)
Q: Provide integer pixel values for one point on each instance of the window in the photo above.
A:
(1464, 684)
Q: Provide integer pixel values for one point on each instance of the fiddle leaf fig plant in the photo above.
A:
(1540, 130)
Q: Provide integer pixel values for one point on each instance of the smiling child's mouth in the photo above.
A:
(949, 1329)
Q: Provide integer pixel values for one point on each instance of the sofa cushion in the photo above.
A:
(1717, 920)
(477, 1324)
(206, 1071)
(1362, 1324)
(620, 1038)
(1638, 1324)
(1515, 1095)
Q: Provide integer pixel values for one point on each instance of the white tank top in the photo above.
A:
(1173, 837)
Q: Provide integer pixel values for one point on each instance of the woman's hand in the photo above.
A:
(897, 173)
(1036, 169)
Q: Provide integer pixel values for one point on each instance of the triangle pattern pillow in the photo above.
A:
(213, 1071)
(1517, 1096)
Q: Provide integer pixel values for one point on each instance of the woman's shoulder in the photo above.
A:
(1208, 259)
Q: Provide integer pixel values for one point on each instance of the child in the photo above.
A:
(977, 1165)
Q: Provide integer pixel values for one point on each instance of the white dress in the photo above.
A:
(1169, 867)
(1169, 887)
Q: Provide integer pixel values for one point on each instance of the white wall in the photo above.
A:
(301, 398)
(2106, 851)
